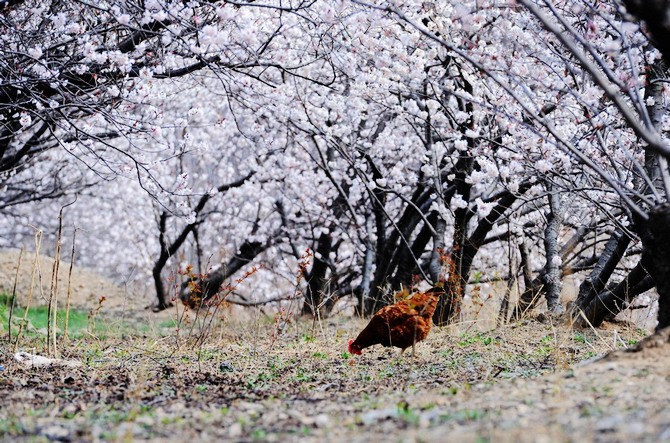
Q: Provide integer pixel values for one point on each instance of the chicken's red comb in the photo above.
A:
(351, 349)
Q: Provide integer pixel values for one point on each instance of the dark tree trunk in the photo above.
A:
(597, 280)
(466, 250)
(503, 312)
(393, 252)
(166, 252)
(169, 250)
(406, 267)
(368, 263)
(598, 300)
(199, 289)
(655, 235)
(655, 15)
(614, 299)
(449, 305)
(532, 287)
(315, 301)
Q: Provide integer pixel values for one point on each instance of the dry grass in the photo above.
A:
(249, 377)
(248, 383)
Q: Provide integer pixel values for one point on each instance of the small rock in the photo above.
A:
(176, 408)
(321, 420)
(636, 428)
(56, 433)
(250, 407)
(300, 417)
(146, 420)
(665, 435)
(235, 430)
(70, 409)
(522, 409)
(225, 366)
(30, 360)
(609, 424)
(270, 418)
(372, 417)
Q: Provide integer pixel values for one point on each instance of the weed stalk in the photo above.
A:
(13, 303)
(53, 292)
(69, 285)
(35, 271)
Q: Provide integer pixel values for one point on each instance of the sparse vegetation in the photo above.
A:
(302, 385)
(79, 321)
(312, 160)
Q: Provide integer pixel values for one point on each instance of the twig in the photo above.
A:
(581, 312)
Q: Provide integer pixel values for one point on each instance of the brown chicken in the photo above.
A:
(401, 325)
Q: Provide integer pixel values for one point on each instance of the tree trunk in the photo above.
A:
(615, 299)
(169, 250)
(366, 279)
(392, 252)
(596, 282)
(166, 252)
(198, 290)
(316, 279)
(552, 270)
(465, 250)
(531, 292)
(655, 15)
(655, 235)
(503, 312)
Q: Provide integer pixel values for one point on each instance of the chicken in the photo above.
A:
(401, 325)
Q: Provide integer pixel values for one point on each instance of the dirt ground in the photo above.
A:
(522, 382)
(158, 378)
(29, 275)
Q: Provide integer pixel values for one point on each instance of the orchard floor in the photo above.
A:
(245, 381)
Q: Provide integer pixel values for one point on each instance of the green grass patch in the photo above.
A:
(79, 321)
(476, 338)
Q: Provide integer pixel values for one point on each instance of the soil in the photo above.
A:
(31, 274)
(277, 379)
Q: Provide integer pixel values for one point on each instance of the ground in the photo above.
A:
(148, 377)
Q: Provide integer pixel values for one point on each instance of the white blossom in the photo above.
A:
(461, 145)
(457, 202)
(35, 52)
(25, 119)
(543, 166)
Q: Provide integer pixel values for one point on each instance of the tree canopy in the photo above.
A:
(365, 145)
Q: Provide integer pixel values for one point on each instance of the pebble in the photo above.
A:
(235, 430)
(321, 420)
(609, 424)
(373, 417)
(226, 366)
(55, 433)
(249, 406)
